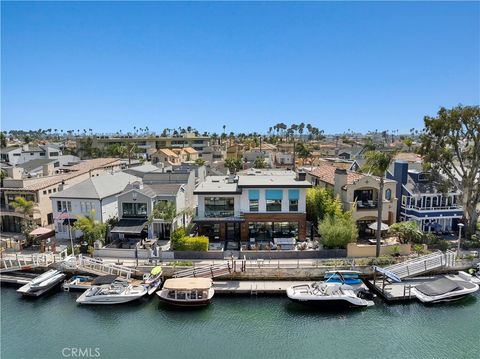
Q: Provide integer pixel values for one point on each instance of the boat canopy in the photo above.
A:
(104, 279)
(441, 286)
(187, 283)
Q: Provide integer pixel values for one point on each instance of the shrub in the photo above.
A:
(177, 235)
(418, 248)
(337, 232)
(382, 261)
(406, 231)
(192, 244)
(443, 245)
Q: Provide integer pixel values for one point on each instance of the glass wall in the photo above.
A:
(210, 230)
(219, 206)
(133, 210)
(267, 231)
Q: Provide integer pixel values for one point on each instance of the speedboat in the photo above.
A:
(328, 294)
(350, 277)
(446, 289)
(187, 292)
(114, 292)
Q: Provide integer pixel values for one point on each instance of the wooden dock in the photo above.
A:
(243, 287)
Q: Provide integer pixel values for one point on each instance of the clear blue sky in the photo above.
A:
(115, 65)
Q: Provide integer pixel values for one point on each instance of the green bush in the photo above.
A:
(443, 245)
(382, 261)
(177, 236)
(192, 244)
(337, 232)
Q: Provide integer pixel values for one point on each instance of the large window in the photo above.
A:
(219, 206)
(253, 196)
(285, 229)
(293, 195)
(134, 210)
(64, 206)
(274, 200)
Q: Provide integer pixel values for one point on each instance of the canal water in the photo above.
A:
(54, 326)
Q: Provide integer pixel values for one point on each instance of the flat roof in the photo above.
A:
(187, 283)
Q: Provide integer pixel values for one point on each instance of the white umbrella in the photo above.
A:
(383, 226)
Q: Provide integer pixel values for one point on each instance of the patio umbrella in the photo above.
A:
(156, 270)
(383, 226)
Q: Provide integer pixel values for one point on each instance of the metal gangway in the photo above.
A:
(18, 262)
(97, 266)
(423, 264)
(211, 270)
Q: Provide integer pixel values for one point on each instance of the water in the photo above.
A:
(235, 327)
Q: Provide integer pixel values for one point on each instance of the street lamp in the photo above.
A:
(460, 226)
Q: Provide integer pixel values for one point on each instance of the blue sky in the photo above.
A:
(115, 65)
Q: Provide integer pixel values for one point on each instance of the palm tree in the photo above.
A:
(166, 211)
(25, 207)
(378, 163)
(92, 229)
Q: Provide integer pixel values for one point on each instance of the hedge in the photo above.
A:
(192, 244)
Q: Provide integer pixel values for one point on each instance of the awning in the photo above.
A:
(129, 226)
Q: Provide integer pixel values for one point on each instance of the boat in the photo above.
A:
(110, 290)
(42, 283)
(445, 289)
(47, 282)
(42, 277)
(349, 277)
(153, 280)
(329, 294)
(187, 292)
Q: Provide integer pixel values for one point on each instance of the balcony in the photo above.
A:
(366, 205)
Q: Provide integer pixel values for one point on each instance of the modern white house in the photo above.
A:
(97, 193)
(255, 206)
(19, 155)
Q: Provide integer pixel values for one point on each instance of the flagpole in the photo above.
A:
(69, 229)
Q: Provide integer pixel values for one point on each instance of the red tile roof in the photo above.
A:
(325, 172)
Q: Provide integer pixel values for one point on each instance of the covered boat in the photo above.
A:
(350, 277)
(187, 292)
(444, 289)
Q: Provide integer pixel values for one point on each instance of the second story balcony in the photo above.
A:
(366, 199)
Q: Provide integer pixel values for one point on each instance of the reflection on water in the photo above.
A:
(237, 327)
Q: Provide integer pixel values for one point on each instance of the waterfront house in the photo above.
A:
(422, 201)
(40, 189)
(254, 206)
(97, 193)
(20, 154)
(358, 192)
(135, 208)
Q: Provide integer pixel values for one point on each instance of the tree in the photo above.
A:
(406, 231)
(303, 151)
(3, 140)
(337, 232)
(450, 147)
(92, 229)
(25, 208)
(260, 162)
(166, 211)
(408, 142)
(199, 161)
(377, 163)
(234, 164)
(320, 203)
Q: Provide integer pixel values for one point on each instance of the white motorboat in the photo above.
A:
(187, 292)
(114, 292)
(326, 294)
(446, 288)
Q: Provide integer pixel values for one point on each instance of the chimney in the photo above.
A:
(301, 176)
(340, 180)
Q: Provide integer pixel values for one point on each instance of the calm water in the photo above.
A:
(235, 327)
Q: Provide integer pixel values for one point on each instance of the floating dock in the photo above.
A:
(243, 287)
(17, 278)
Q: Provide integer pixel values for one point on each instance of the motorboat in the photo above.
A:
(446, 288)
(111, 291)
(153, 280)
(187, 292)
(349, 277)
(328, 294)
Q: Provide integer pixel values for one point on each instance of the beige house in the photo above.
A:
(40, 189)
(175, 156)
(358, 192)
